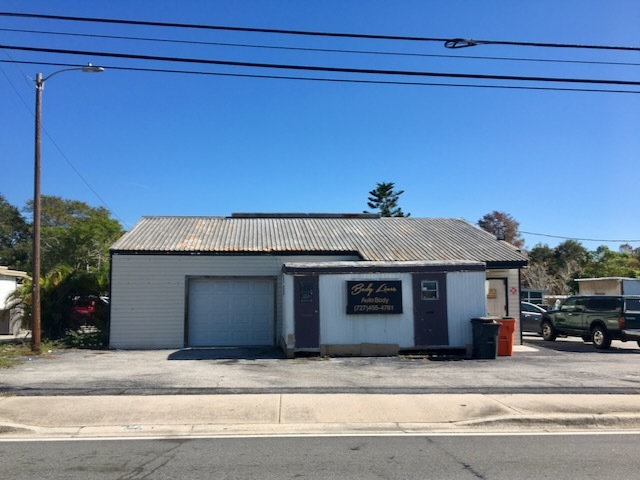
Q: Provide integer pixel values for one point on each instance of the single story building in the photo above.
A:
(10, 318)
(609, 286)
(329, 283)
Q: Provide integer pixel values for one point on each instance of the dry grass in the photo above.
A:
(12, 354)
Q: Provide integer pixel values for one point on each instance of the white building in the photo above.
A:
(9, 282)
(609, 286)
(319, 282)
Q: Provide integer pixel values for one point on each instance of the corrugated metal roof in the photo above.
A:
(374, 239)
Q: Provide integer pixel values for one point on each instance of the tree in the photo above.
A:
(503, 226)
(555, 269)
(15, 242)
(384, 199)
(570, 251)
(608, 263)
(537, 277)
(59, 290)
(75, 234)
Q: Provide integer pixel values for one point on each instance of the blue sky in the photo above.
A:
(562, 163)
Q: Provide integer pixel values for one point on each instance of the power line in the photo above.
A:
(223, 28)
(334, 80)
(449, 42)
(64, 156)
(324, 69)
(320, 50)
(580, 239)
(464, 42)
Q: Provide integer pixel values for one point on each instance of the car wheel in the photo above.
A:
(600, 337)
(548, 332)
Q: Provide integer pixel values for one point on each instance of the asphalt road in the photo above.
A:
(514, 457)
(564, 366)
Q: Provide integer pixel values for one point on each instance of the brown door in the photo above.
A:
(306, 311)
(430, 309)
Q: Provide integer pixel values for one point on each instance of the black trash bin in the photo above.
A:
(485, 337)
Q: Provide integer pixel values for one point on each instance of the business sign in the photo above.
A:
(371, 297)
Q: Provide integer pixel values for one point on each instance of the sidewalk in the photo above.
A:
(299, 414)
(563, 385)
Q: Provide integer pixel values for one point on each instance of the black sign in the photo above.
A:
(370, 297)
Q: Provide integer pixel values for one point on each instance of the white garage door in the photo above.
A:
(230, 312)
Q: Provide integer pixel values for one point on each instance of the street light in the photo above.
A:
(35, 292)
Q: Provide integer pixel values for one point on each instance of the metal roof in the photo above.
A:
(7, 272)
(373, 239)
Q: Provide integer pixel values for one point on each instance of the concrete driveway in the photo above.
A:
(564, 366)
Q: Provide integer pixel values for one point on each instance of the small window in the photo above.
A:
(306, 292)
(569, 304)
(429, 290)
(605, 304)
(633, 305)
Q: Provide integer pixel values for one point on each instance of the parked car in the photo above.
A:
(595, 318)
(530, 317)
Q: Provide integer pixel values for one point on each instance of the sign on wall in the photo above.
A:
(371, 297)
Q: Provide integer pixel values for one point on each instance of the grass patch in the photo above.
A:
(12, 354)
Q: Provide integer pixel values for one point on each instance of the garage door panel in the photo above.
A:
(228, 312)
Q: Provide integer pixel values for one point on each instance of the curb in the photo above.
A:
(505, 424)
(556, 422)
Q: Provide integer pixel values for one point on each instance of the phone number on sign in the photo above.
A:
(373, 308)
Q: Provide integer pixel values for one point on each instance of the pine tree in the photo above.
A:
(385, 200)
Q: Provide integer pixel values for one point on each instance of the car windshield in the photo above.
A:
(633, 305)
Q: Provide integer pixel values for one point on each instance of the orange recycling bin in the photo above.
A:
(505, 336)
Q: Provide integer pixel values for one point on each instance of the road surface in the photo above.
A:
(508, 457)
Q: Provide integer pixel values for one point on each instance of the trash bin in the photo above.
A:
(485, 335)
(505, 336)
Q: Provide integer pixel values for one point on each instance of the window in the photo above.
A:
(306, 292)
(569, 304)
(429, 290)
(605, 304)
(633, 305)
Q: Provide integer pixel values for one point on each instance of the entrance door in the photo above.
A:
(497, 297)
(430, 323)
(306, 311)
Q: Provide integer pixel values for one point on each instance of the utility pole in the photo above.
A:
(35, 292)
(35, 272)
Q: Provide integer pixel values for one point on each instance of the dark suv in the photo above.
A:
(595, 318)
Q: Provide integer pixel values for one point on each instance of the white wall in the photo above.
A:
(8, 285)
(465, 300)
(338, 328)
(609, 286)
(148, 292)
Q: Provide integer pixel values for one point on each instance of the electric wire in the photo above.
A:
(580, 239)
(336, 80)
(222, 27)
(323, 68)
(455, 43)
(64, 156)
(449, 42)
(319, 50)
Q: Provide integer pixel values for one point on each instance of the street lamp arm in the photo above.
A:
(35, 275)
(87, 69)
